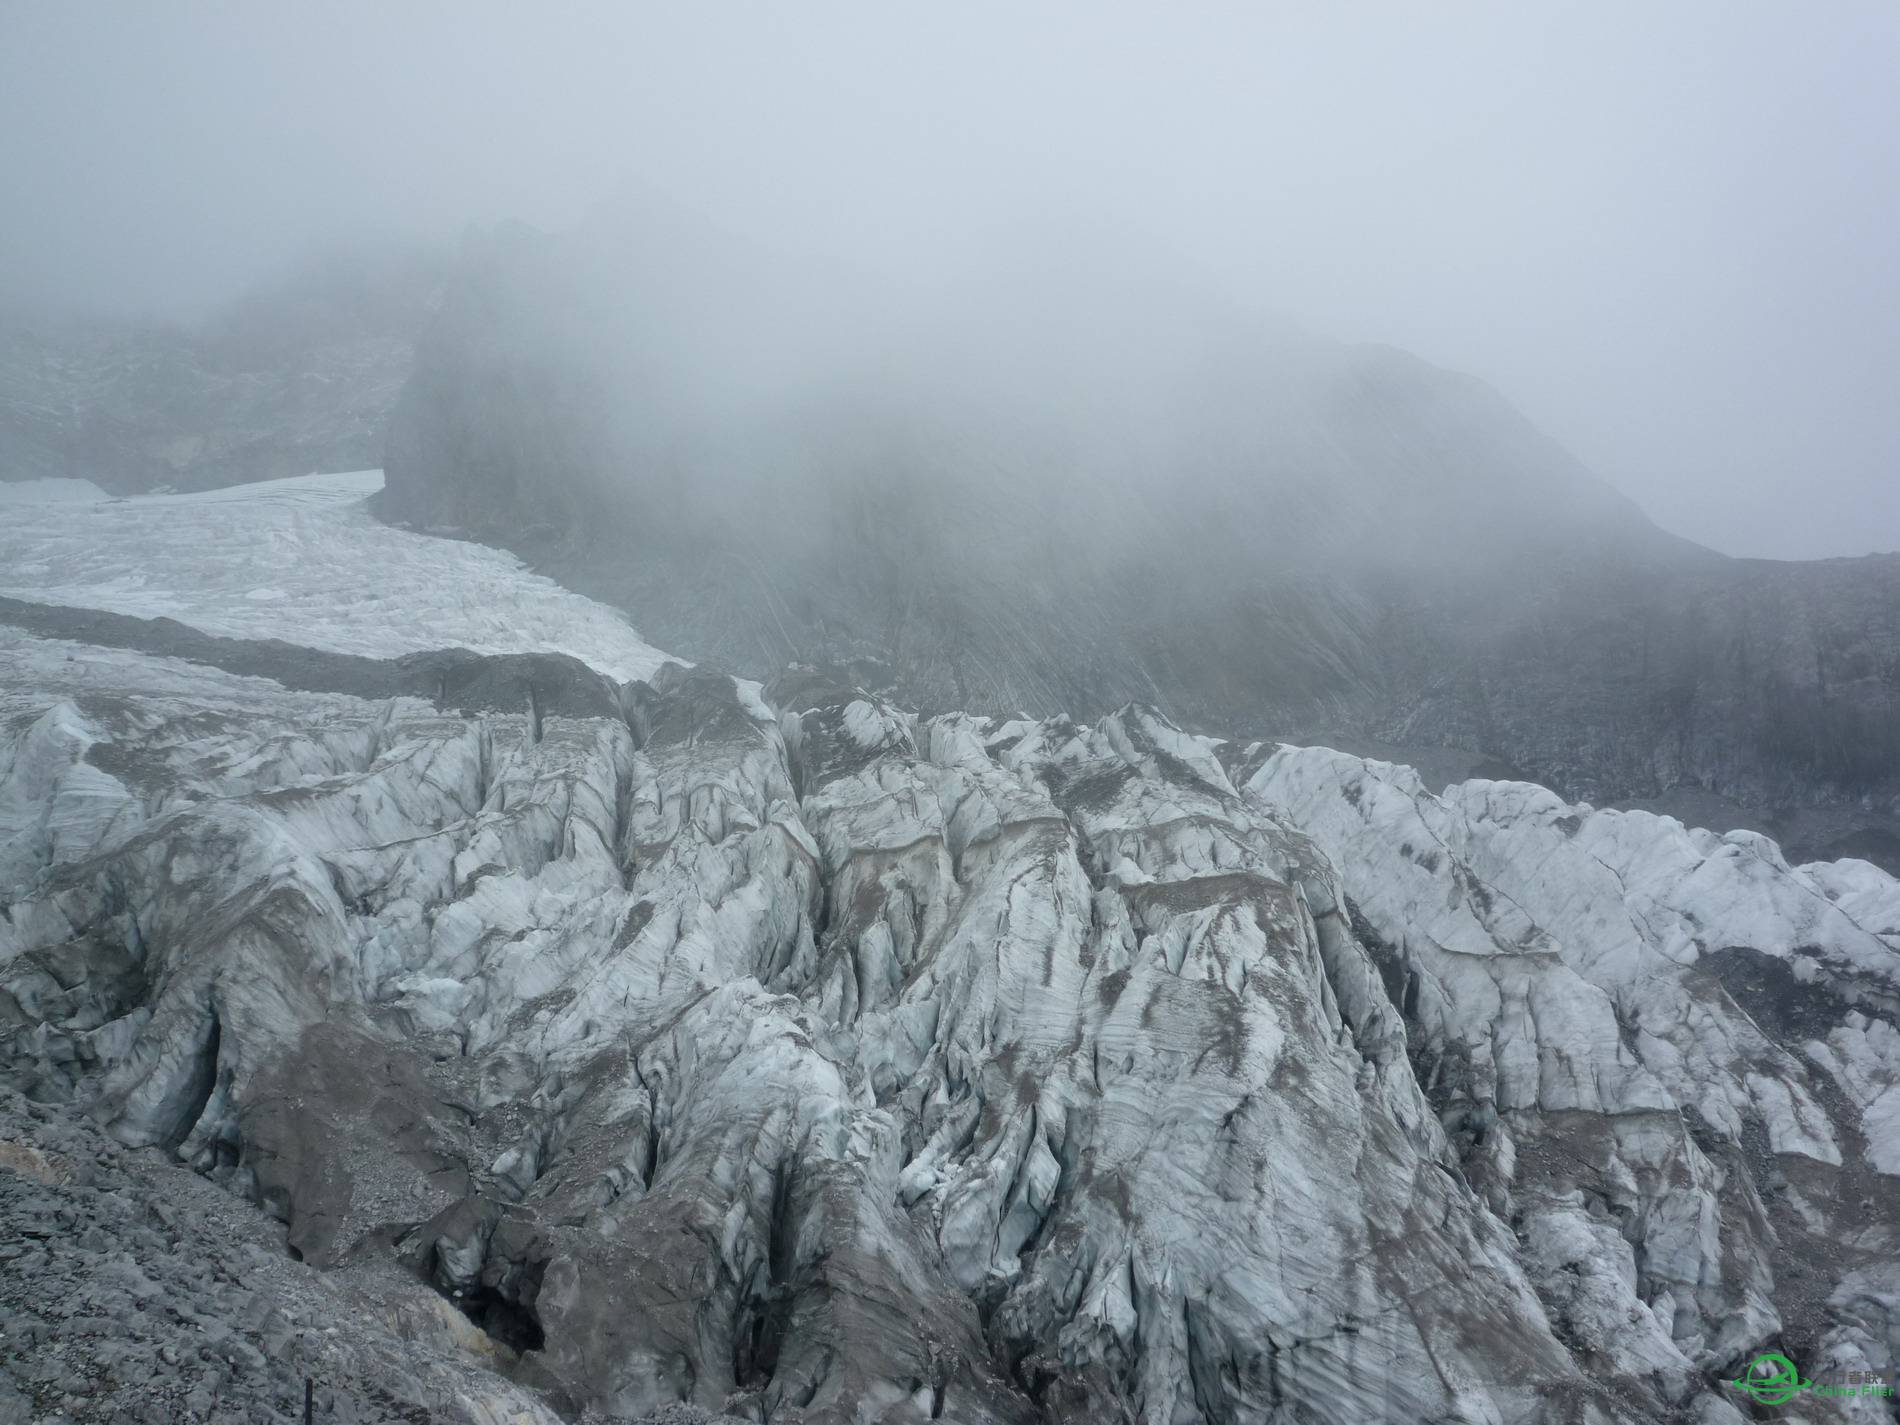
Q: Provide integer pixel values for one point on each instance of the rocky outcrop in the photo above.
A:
(808, 1059)
(132, 1290)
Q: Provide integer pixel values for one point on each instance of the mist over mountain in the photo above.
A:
(297, 374)
(1046, 485)
(1007, 714)
(1011, 978)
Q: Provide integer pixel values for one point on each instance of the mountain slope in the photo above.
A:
(1056, 490)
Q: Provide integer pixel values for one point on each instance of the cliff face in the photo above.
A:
(1077, 491)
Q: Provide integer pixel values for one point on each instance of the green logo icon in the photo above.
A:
(1772, 1379)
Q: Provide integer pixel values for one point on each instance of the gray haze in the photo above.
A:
(1665, 232)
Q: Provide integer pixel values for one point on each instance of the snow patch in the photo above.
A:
(50, 492)
(302, 560)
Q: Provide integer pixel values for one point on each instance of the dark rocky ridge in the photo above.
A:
(1246, 526)
(454, 679)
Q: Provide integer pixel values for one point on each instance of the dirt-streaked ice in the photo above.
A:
(791, 1053)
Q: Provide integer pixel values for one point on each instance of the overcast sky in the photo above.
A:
(1666, 231)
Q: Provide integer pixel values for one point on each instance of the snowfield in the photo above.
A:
(300, 560)
(51, 491)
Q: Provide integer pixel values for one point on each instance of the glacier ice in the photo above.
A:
(796, 1055)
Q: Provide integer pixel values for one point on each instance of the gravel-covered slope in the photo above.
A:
(806, 1059)
(134, 1291)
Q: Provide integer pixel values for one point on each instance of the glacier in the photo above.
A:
(786, 1052)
